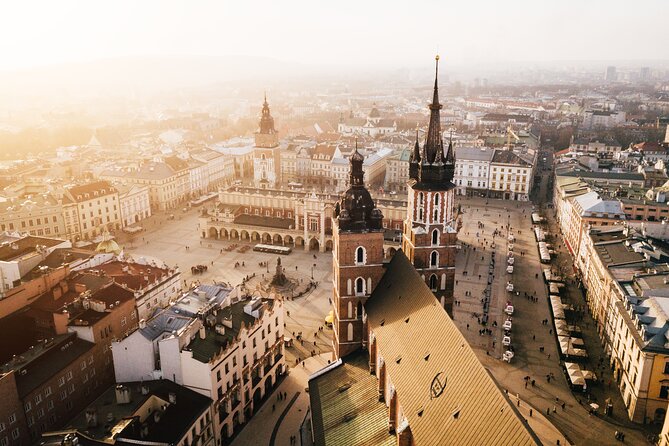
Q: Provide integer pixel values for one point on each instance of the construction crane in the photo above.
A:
(509, 134)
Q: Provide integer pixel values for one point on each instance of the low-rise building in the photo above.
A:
(625, 275)
(148, 413)
(19, 255)
(226, 347)
(373, 125)
(98, 208)
(168, 181)
(154, 286)
(54, 380)
(220, 169)
(397, 170)
(511, 176)
(472, 170)
(134, 203)
(34, 214)
(593, 119)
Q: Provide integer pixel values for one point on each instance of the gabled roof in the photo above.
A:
(422, 346)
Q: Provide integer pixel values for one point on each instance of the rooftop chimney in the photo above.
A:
(122, 394)
(203, 332)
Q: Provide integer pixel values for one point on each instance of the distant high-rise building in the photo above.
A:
(611, 74)
(644, 73)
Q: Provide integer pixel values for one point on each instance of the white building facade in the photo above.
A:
(472, 170)
(134, 203)
(228, 349)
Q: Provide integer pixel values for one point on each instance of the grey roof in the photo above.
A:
(591, 203)
(508, 157)
(473, 154)
(45, 360)
(605, 175)
(166, 321)
(206, 349)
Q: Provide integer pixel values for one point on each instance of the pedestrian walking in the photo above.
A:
(530, 412)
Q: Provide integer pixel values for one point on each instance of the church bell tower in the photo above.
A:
(357, 255)
(429, 234)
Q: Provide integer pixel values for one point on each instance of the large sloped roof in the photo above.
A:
(345, 405)
(424, 350)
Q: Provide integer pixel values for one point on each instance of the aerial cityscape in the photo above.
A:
(371, 223)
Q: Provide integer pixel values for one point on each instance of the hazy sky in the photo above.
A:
(342, 32)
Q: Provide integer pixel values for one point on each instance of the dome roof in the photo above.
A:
(108, 246)
(356, 210)
(374, 113)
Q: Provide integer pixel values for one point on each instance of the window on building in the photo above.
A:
(434, 259)
(435, 237)
(360, 255)
(433, 282)
(359, 285)
(350, 331)
(666, 367)
(664, 392)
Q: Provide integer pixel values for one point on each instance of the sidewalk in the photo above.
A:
(258, 431)
(542, 426)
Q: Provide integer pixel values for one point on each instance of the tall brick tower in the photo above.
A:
(266, 157)
(357, 235)
(429, 230)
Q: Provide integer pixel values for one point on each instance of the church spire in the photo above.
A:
(434, 143)
(450, 154)
(414, 159)
(356, 174)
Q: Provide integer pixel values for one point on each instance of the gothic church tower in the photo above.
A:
(429, 234)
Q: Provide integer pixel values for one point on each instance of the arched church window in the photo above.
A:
(359, 286)
(434, 259)
(350, 331)
(433, 282)
(360, 255)
(435, 237)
